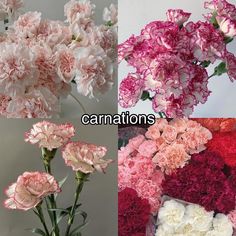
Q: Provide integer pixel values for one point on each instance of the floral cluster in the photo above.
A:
(134, 213)
(34, 190)
(40, 58)
(191, 161)
(170, 59)
(203, 181)
(32, 187)
(177, 218)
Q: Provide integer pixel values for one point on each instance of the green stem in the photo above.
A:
(80, 183)
(212, 75)
(47, 157)
(42, 219)
(161, 115)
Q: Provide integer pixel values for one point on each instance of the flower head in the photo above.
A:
(178, 16)
(49, 135)
(85, 158)
(29, 190)
(110, 14)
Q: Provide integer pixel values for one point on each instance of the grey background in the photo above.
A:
(99, 196)
(54, 10)
(135, 14)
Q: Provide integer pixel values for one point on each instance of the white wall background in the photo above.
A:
(99, 196)
(54, 9)
(135, 14)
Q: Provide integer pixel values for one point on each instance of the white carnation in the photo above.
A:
(171, 213)
(223, 225)
(200, 219)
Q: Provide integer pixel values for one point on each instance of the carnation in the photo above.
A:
(224, 144)
(178, 16)
(29, 190)
(203, 182)
(49, 135)
(133, 213)
(84, 157)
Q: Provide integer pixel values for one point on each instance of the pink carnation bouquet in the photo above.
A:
(41, 58)
(179, 178)
(38, 191)
(170, 59)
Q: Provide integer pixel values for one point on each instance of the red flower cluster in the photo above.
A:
(204, 181)
(134, 213)
(224, 144)
(218, 124)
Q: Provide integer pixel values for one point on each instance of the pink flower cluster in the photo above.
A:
(40, 58)
(29, 190)
(170, 59)
(49, 135)
(176, 141)
(139, 172)
(84, 157)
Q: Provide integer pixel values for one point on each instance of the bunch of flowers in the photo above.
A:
(170, 59)
(41, 58)
(38, 190)
(9, 9)
(133, 213)
(184, 160)
(177, 218)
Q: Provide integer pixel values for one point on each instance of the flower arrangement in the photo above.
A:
(170, 59)
(41, 58)
(186, 171)
(38, 191)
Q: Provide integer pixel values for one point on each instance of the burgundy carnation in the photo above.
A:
(134, 213)
(203, 181)
(224, 144)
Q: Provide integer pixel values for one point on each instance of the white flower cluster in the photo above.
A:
(178, 219)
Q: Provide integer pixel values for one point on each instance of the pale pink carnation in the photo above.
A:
(171, 157)
(94, 73)
(18, 70)
(111, 14)
(86, 158)
(27, 25)
(29, 190)
(178, 16)
(131, 89)
(10, 8)
(195, 138)
(79, 11)
(135, 142)
(36, 103)
(232, 218)
(147, 148)
(49, 135)
(227, 26)
(65, 64)
(153, 131)
(54, 33)
(169, 134)
(231, 65)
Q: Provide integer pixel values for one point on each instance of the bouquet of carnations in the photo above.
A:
(40, 191)
(170, 59)
(179, 179)
(41, 58)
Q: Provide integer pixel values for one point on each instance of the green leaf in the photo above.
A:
(61, 183)
(78, 229)
(228, 40)
(83, 214)
(37, 231)
(145, 96)
(220, 69)
(205, 63)
(60, 210)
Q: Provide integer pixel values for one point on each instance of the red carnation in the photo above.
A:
(224, 144)
(134, 213)
(204, 181)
